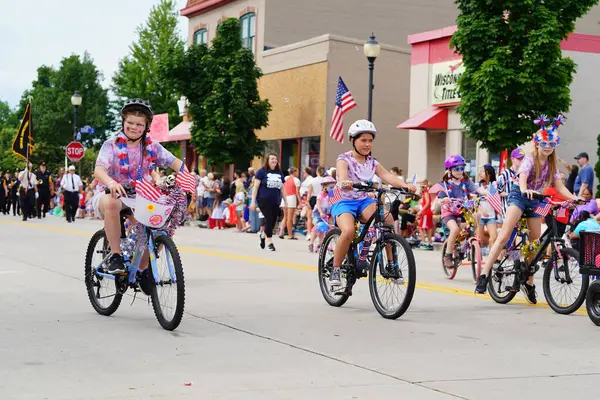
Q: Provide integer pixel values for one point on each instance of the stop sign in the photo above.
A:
(75, 151)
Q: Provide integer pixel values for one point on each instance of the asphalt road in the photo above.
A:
(257, 327)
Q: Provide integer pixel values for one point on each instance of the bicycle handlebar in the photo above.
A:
(370, 187)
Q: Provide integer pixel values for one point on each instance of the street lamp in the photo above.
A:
(371, 50)
(76, 100)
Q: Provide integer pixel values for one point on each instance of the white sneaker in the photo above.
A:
(335, 278)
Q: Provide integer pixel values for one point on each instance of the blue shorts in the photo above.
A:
(354, 207)
(487, 221)
(525, 205)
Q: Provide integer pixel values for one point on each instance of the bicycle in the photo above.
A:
(589, 246)
(467, 244)
(156, 241)
(402, 276)
(514, 270)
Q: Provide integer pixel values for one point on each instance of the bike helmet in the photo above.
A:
(359, 127)
(327, 180)
(454, 161)
(138, 105)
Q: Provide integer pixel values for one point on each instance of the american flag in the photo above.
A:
(185, 180)
(435, 189)
(543, 209)
(147, 190)
(335, 195)
(343, 102)
(493, 199)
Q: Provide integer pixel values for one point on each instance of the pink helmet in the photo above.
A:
(454, 161)
(327, 180)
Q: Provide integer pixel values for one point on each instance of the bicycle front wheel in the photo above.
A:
(168, 294)
(565, 296)
(392, 277)
(475, 260)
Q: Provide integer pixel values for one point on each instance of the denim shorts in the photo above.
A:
(487, 221)
(354, 207)
(525, 205)
(458, 218)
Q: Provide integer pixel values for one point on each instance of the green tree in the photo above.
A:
(137, 74)
(221, 84)
(514, 68)
(53, 112)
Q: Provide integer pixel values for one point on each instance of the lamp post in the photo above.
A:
(371, 50)
(76, 100)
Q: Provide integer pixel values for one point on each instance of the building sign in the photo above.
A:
(444, 78)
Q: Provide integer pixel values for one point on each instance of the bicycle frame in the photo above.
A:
(133, 264)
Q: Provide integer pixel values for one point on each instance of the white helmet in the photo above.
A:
(361, 126)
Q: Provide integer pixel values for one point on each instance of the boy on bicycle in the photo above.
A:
(122, 160)
(349, 204)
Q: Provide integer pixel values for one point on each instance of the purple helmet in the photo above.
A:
(454, 161)
(517, 153)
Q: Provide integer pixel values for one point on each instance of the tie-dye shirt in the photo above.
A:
(528, 168)
(108, 157)
(358, 172)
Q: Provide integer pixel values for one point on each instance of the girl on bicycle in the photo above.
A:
(349, 204)
(537, 171)
(454, 188)
(121, 160)
(321, 214)
(488, 216)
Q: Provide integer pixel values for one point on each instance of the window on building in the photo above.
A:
(248, 25)
(201, 36)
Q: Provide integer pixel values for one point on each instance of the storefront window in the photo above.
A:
(311, 153)
(469, 152)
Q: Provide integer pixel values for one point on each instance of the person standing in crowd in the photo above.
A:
(14, 193)
(585, 178)
(306, 183)
(250, 178)
(71, 185)
(291, 188)
(45, 190)
(267, 194)
(28, 192)
(3, 192)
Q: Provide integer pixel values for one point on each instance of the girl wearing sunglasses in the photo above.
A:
(537, 171)
(455, 185)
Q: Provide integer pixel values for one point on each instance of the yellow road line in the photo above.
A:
(284, 264)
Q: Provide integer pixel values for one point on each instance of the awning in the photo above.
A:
(177, 134)
(434, 118)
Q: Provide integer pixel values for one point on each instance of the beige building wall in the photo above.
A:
(390, 98)
(290, 21)
(298, 97)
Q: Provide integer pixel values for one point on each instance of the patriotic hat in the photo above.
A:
(547, 131)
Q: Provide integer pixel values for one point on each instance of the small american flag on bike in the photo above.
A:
(335, 195)
(493, 198)
(185, 180)
(437, 188)
(543, 209)
(146, 189)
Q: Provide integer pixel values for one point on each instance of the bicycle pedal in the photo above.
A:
(514, 289)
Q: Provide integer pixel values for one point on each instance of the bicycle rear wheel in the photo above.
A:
(168, 297)
(101, 291)
(562, 296)
(392, 294)
(500, 279)
(332, 296)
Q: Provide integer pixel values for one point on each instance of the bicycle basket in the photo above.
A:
(589, 250)
(151, 214)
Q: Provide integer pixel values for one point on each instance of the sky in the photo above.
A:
(44, 31)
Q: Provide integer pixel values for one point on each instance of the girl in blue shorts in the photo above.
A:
(349, 204)
(537, 171)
